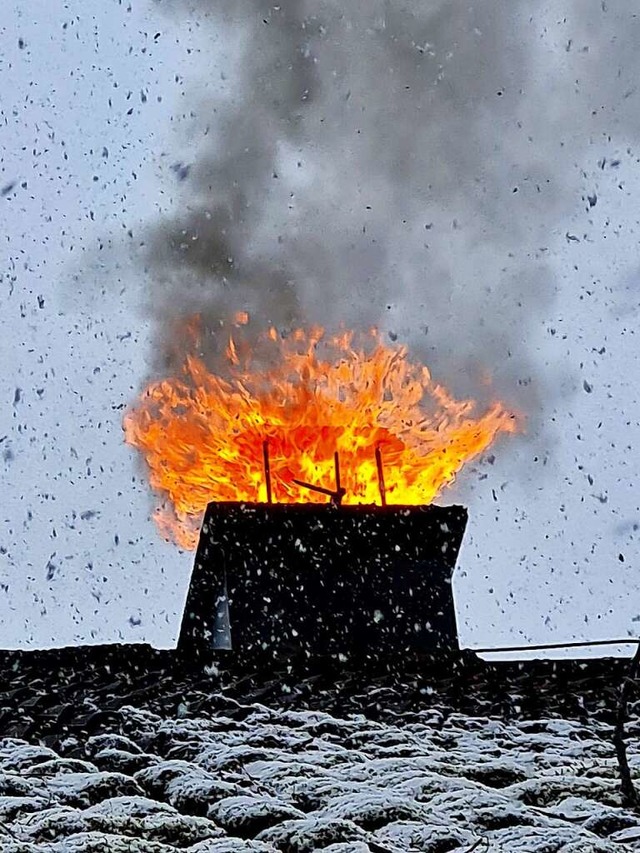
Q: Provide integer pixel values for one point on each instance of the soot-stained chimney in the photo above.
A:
(295, 582)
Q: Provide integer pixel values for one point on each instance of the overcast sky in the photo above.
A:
(532, 218)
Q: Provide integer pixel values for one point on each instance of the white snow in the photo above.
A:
(297, 781)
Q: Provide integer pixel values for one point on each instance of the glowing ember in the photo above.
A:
(202, 434)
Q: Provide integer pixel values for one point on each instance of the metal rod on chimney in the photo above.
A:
(381, 485)
(267, 469)
(336, 494)
(339, 492)
(320, 489)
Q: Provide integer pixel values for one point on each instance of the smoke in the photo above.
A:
(402, 164)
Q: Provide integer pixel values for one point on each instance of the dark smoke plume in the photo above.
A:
(399, 164)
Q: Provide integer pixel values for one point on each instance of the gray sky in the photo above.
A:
(512, 124)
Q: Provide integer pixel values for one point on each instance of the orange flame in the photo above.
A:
(203, 434)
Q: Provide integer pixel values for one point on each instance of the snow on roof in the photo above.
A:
(299, 781)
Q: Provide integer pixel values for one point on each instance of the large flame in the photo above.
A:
(203, 434)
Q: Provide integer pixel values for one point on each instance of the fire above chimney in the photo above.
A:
(285, 406)
(294, 582)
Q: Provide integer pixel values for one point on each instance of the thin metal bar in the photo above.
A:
(339, 492)
(267, 469)
(381, 485)
(572, 645)
(321, 489)
(336, 494)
